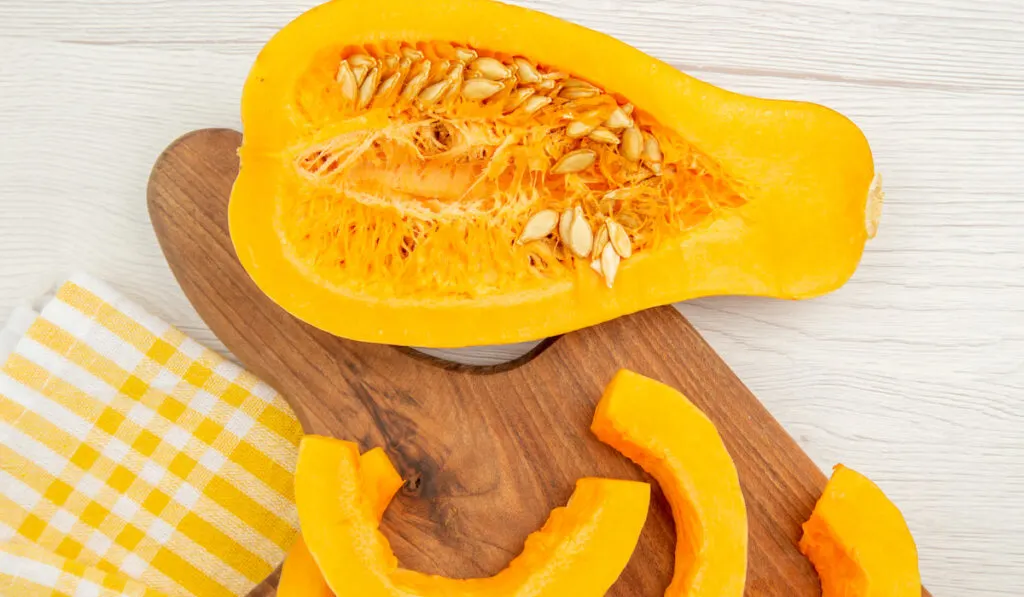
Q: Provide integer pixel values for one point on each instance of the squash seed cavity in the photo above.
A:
(458, 172)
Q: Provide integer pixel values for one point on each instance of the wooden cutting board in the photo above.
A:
(487, 454)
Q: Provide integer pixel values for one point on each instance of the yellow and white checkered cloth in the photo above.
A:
(135, 462)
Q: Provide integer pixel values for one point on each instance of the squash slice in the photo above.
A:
(300, 576)
(659, 429)
(580, 551)
(859, 542)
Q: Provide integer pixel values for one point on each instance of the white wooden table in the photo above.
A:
(912, 373)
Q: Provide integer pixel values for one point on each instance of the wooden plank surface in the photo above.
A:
(913, 372)
(487, 455)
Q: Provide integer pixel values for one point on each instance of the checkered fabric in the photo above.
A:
(135, 462)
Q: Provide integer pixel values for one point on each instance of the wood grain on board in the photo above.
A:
(487, 454)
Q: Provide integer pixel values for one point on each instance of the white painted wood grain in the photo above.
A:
(913, 372)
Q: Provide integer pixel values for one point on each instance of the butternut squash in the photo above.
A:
(859, 542)
(463, 172)
(580, 551)
(659, 429)
(300, 575)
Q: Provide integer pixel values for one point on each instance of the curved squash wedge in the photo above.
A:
(659, 429)
(463, 172)
(859, 542)
(580, 551)
(300, 576)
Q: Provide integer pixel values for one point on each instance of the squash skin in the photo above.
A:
(859, 542)
(300, 575)
(658, 428)
(807, 170)
(581, 550)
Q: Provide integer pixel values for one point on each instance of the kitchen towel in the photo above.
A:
(134, 461)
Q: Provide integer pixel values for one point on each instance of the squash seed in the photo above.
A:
(609, 264)
(578, 129)
(490, 68)
(574, 161)
(455, 74)
(602, 135)
(389, 63)
(596, 266)
(389, 85)
(619, 239)
(360, 73)
(613, 195)
(627, 108)
(581, 237)
(480, 89)
(565, 225)
(465, 54)
(641, 176)
(527, 74)
(369, 88)
(412, 54)
(572, 93)
(601, 240)
(535, 103)
(571, 82)
(618, 120)
(414, 86)
(517, 98)
(632, 144)
(454, 82)
(432, 93)
(652, 149)
(357, 60)
(546, 85)
(347, 79)
(539, 225)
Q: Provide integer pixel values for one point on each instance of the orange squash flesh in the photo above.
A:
(859, 542)
(749, 196)
(659, 429)
(580, 551)
(300, 576)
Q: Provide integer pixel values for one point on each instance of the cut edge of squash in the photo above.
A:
(873, 209)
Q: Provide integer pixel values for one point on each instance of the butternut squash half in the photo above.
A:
(461, 172)
(859, 542)
(580, 551)
(659, 429)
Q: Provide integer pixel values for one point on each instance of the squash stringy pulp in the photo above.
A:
(439, 172)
